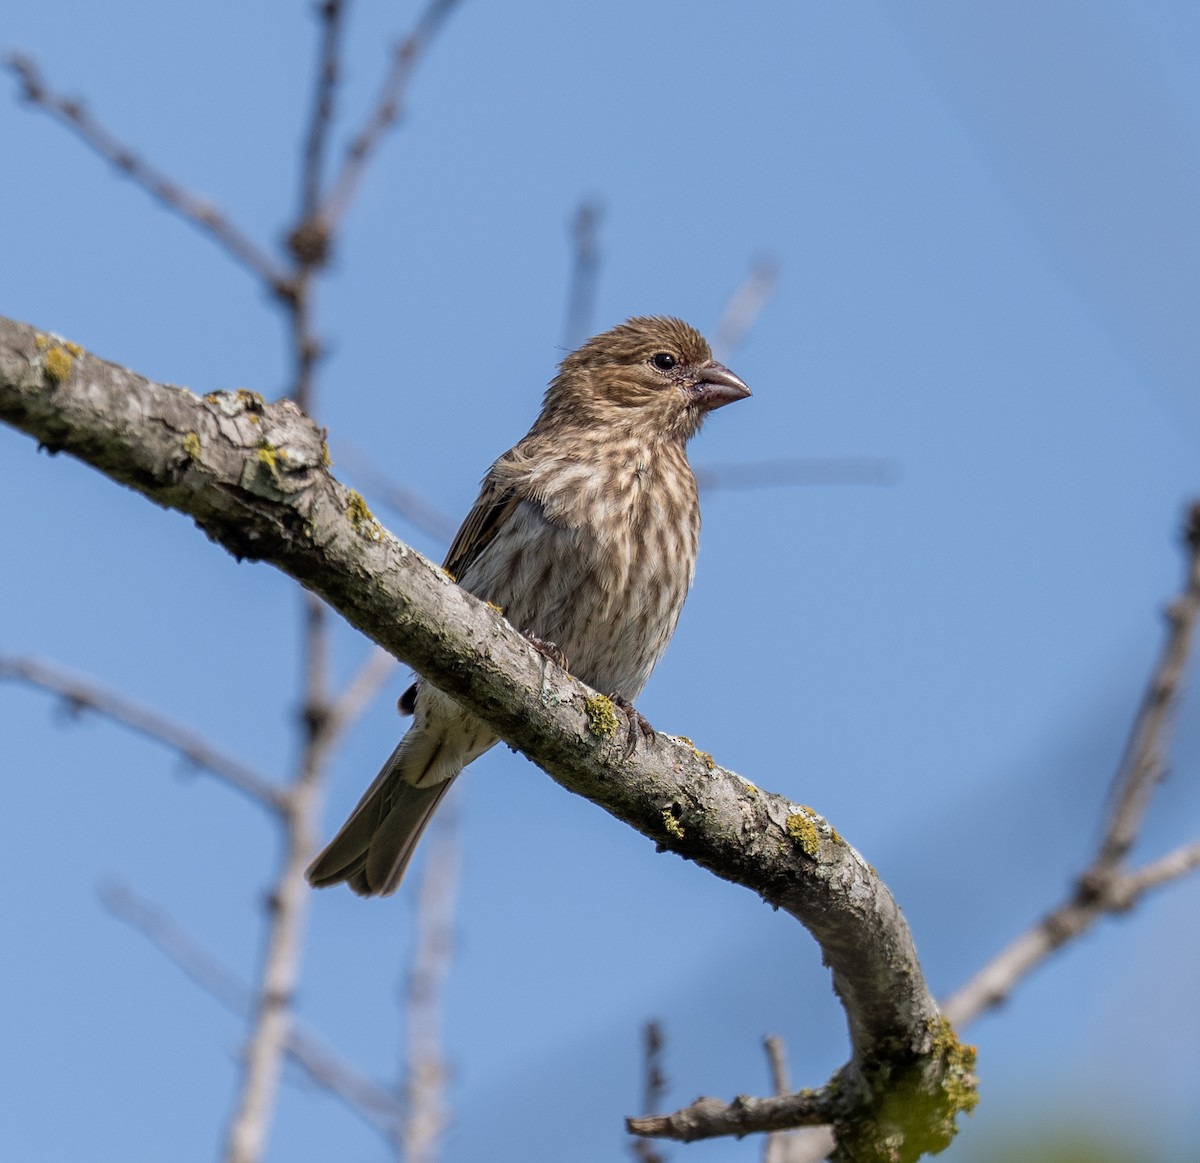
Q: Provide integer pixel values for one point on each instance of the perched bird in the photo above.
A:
(585, 535)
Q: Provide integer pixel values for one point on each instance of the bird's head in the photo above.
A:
(651, 374)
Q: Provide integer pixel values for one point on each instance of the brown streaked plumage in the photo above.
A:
(585, 534)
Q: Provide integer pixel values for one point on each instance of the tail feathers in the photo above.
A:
(395, 840)
(374, 846)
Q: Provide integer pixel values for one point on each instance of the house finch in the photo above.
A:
(585, 534)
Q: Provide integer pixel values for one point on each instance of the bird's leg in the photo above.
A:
(547, 649)
(637, 723)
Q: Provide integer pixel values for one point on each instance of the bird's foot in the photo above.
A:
(547, 650)
(637, 723)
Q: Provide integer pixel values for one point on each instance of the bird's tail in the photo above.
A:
(375, 844)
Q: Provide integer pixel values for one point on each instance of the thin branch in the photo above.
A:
(654, 1088)
(709, 1118)
(315, 639)
(200, 213)
(426, 1109)
(585, 265)
(745, 305)
(777, 1062)
(311, 239)
(321, 1064)
(1144, 763)
(81, 694)
(775, 1147)
(324, 91)
(1172, 866)
(389, 107)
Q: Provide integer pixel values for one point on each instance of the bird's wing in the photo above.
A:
(497, 500)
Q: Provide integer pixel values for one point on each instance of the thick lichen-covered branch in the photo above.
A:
(255, 477)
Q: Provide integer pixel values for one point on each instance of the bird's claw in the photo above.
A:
(637, 723)
(547, 649)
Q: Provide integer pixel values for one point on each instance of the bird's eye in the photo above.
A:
(664, 361)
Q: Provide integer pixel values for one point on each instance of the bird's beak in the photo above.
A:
(717, 386)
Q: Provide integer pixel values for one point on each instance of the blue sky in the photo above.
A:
(985, 222)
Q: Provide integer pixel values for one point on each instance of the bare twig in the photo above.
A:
(328, 75)
(201, 214)
(325, 1068)
(1144, 762)
(775, 1146)
(426, 1109)
(744, 307)
(777, 1061)
(585, 264)
(1177, 863)
(81, 694)
(654, 1088)
(708, 1118)
(389, 106)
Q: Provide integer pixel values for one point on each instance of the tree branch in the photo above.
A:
(253, 477)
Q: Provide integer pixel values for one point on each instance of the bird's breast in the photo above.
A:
(599, 559)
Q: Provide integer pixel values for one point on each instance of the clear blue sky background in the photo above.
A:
(985, 216)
